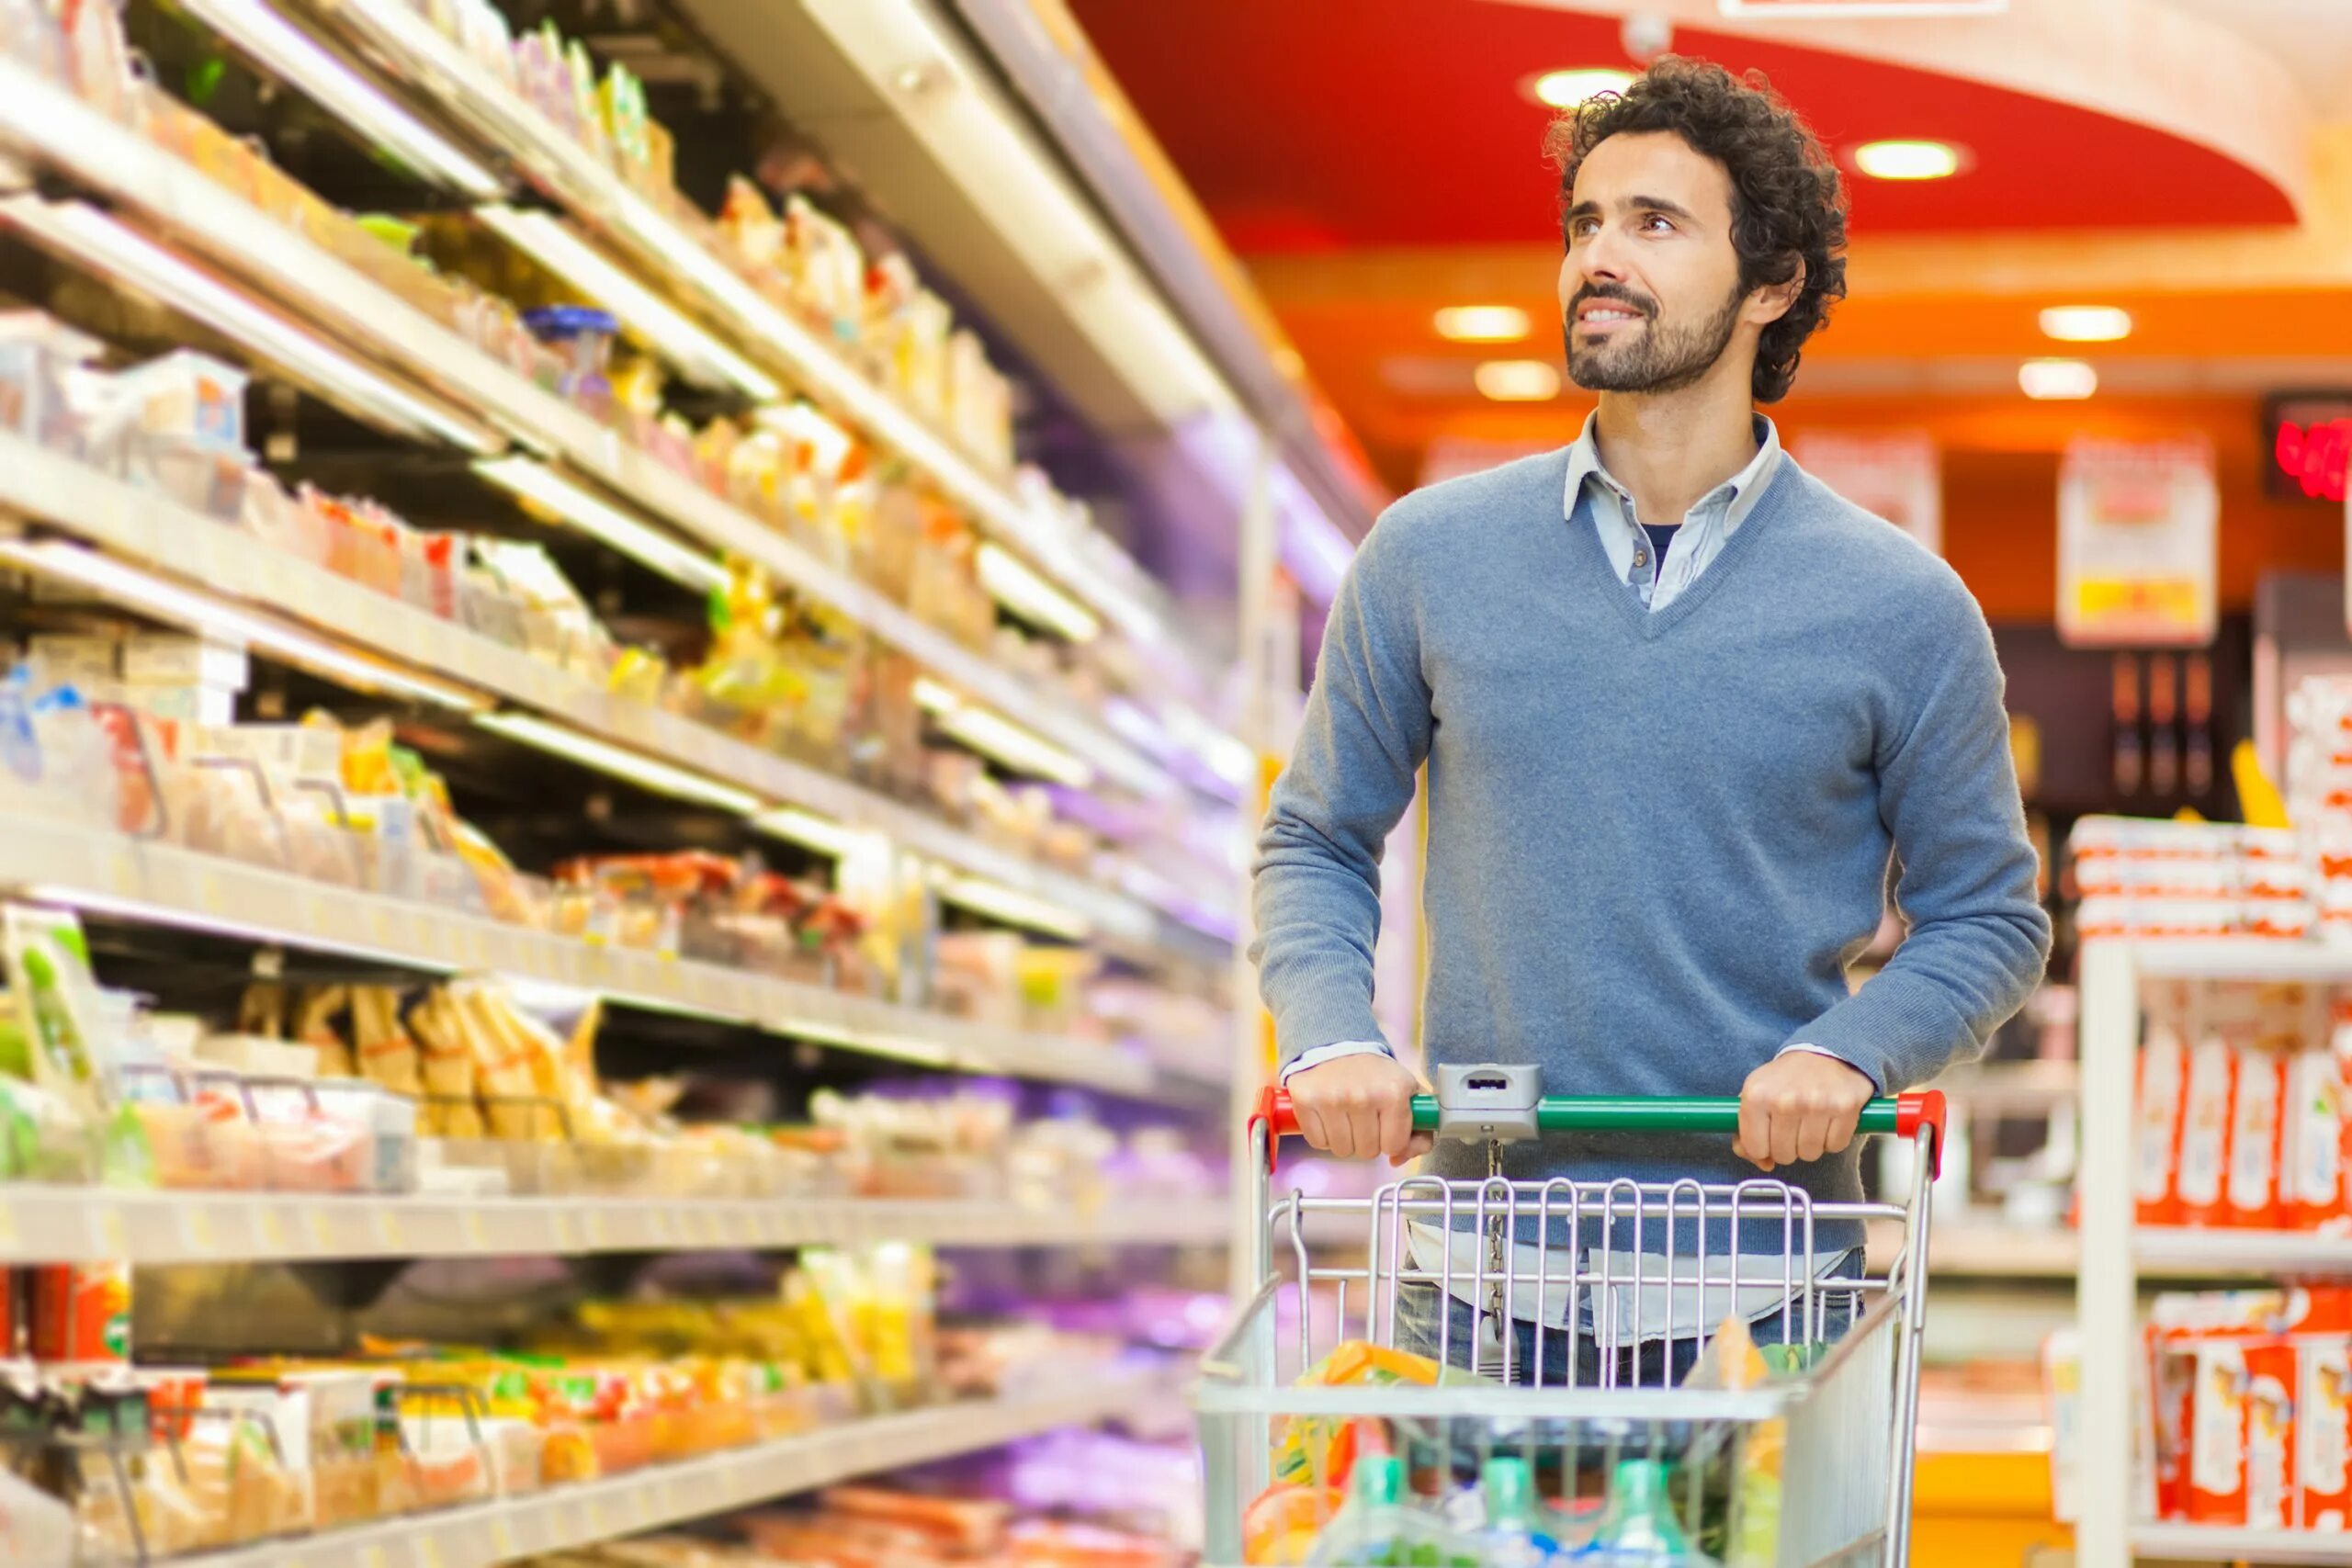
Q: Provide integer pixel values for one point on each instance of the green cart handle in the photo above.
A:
(1901, 1116)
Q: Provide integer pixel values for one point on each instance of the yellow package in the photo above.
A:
(1731, 1361)
(1303, 1444)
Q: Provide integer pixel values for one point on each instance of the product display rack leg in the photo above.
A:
(2105, 1292)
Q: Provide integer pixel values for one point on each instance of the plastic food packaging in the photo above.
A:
(80, 1312)
(1637, 1525)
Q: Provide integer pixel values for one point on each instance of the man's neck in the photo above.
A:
(1673, 449)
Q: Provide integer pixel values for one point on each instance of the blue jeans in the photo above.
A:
(1654, 1363)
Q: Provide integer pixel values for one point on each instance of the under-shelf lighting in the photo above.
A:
(93, 237)
(1030, 596)
(1013, 907)
(109, 907)
(290, 53)
(1000, 738)
(642, 543)
(635, 768)
(226, 624)
(811, 831)
(686, 345)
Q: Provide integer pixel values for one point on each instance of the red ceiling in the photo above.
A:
(1312, 125)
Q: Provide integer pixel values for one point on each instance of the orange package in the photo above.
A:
(2270, 1434)
(80, 1312)
(2311, 1148)
(2206, 1101)
(2324, 1431)
(2256, 1106)
(2217, 1433)
(2163, 1072)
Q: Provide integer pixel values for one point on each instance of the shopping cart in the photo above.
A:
(1621, 1258)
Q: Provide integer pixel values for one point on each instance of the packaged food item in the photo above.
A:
(2270, 1434)
(2255, 1118)
(1732, 1361)
(80, 1312)
(2162, 1065)
(2310, 1146)
(1637, 1524)
(1375, 1525)
(2208, 1108)
(2323, 1406)
(1303, 1444)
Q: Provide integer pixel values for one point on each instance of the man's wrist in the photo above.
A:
(1333, 1053)
(1813, 1050)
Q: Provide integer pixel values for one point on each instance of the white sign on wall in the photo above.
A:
(1897, 474)
(2139, 533)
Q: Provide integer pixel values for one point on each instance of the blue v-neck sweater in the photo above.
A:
(1655, 841)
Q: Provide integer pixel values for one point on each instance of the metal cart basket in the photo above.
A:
(1607, 1270)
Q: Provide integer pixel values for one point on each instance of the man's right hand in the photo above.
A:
(1357, 1107)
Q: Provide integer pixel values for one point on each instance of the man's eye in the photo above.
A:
(1655, 223)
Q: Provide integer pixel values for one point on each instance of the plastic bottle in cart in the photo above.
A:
(1638, 1528)
(1375, 1529)
(1512, 1539)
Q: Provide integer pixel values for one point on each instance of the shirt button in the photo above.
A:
(1641, 560)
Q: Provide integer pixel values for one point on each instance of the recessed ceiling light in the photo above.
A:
(1907, 159)
(1567, 89)
(1517, 380)
(2051, 380)
(2085, 324)
(1482, 324)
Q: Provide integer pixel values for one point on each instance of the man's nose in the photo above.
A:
(1600, 257)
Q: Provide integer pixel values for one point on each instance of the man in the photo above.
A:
(1688, 719)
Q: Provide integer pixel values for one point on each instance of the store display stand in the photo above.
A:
(2110, 1530)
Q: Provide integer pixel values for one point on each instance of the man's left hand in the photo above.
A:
(1797, 1108)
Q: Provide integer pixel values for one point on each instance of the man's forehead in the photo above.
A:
(1652, 164)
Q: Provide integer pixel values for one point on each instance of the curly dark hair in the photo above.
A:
(1788, 204)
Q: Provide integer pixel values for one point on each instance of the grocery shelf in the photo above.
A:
(410, 47)
(579, 1515)
(2163, 1247)
(2244, 958)
(44, 121)
(110, 873)
(74, 1224)
(2216, 1543)
(42, 485)
(1986, 1250)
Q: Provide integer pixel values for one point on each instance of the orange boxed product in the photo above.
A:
(2324, 1430)
(2311, 1148)
(2217, 1433)
(2259, 1087)
(2207, 1102)
(80, 1312)
(2163, 1071)
(2270, 1434)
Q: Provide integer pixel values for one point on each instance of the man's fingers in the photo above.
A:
(1813, 1134)
(1311, 1125)
(1396, 1126)
(1755, 1144)
(1843, 1125)
(1788, 1127)
(1415, 1146)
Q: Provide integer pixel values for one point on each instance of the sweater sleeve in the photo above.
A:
(1979, 938)
(1316, 887)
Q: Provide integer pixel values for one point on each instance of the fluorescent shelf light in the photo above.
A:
(1015, 907)
(1517, 380)
(999, 737)
(1482, 324)
(685, 343)
(2086, 323)
(225, 623)
(561, 740)
(91, 236)
(342, 92)
(641, 542)
(1030, 596)
(927, 1053)
(2057, 379)
(810, 830)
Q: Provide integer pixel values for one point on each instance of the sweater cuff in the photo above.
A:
(1812, 1050)
(1322, 1053)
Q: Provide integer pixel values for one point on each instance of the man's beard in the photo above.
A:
(1661, 358)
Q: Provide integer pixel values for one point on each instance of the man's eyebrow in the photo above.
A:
(1589, 207)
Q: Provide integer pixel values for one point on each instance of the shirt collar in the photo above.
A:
(1584, 463)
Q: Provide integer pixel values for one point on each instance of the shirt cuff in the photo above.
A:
(1333, 1053)
(1818, 1050)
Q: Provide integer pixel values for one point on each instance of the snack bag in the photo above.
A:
(1731, 1361)
(1304, 1446)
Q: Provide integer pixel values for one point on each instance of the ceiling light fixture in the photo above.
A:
(685, 345)
(2086, 323)
(2051, 380)
(114, 250)
(291, 53)
(1482, 324)
(642, 543)
(1567, 89)
(1030, 596)
(1517, 380)
(561, 740)
(227, 624)
(1906, 160)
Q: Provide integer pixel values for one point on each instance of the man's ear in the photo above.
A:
(1773, 300)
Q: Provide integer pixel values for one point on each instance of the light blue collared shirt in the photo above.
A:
(1706, 528)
